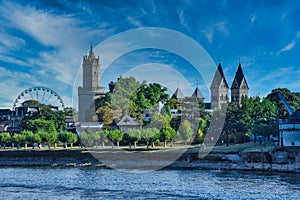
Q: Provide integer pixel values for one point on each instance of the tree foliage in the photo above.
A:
(150, 135)
(292, 98)
(185, 131)
(116, 136)
(241, 119)
(4, 138)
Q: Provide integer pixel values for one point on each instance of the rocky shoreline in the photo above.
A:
(120, 159)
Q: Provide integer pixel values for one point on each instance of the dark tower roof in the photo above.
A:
(221, 73)
(197, 93)
(177, 94)
(239, 76)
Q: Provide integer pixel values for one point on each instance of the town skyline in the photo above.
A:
(42, 43)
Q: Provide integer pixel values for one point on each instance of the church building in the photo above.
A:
(219, 88)
(239, 88)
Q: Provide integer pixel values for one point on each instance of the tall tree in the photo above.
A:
(19, 139)
(134, 135)
(150, 135)
(167, 134)
(292, 98)
(185, 131)
(116, 136)
(4, 139)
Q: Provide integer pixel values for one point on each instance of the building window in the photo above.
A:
(293, 143)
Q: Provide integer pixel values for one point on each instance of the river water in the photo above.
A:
(102, 183)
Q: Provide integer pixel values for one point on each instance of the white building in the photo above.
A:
(289, 129)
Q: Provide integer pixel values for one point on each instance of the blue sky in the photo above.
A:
(42, 42)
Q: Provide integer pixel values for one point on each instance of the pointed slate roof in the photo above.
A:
(239, 77)
(197, 93)
(127, 120)
(219, 73)
(177, 94)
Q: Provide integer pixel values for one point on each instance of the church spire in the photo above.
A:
(239, 77)
(219, 89)
(239, 88)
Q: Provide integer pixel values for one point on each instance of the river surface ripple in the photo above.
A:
(101, 183)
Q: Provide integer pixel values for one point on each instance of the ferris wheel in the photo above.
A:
(42, 95)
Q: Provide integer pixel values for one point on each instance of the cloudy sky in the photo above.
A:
(42, 43)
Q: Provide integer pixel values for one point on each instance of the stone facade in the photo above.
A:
(90, 89)
(219, 89)
(239, 88)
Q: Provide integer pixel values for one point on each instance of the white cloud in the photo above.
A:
(287, 47)
(183, 22)
(212, 29)
(209, 34)
(298, 35)
(45, 27)
(253, 18)
(55, 67)
(221, 27)
(134, 22)
(13, 60)
(273, 75)
(9, 42)
(153, 7)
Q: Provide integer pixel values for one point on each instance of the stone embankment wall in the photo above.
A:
(45, 158)
(280, 159)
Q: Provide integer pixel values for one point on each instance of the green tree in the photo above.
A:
(116, 136)
(150, 135)
(5, 139)
(47, 137)
(265, 130)
(292, 98)
(40, 124)
(146, 97)
(86, 138)
(31, 138)
(103, 137)
(201, 130)
(19, 139)
(134, 135)
(185, 131)
(25, 134)
(72, 138)
(47, 114)
(123, 89)
(66, 137)
(105, 114)
(96, 138)
(167, 134)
